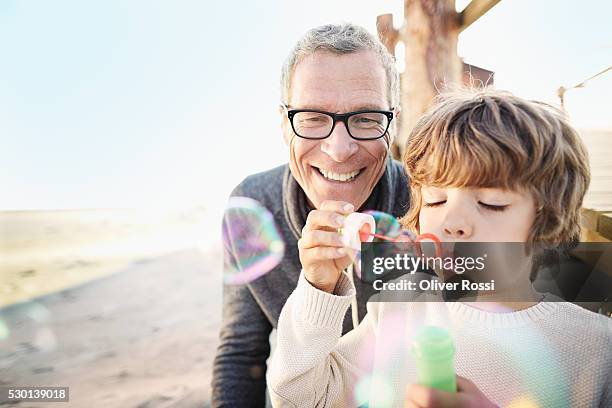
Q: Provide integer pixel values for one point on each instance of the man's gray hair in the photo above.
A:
(340, 39)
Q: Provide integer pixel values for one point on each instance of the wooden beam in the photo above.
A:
(387, 34)
(473, 11)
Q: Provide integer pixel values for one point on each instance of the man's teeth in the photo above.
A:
(339, 176)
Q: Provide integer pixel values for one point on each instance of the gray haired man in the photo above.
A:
(340, 96)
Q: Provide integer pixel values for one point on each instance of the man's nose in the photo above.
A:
(340, 146)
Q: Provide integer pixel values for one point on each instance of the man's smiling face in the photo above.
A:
(338, 167)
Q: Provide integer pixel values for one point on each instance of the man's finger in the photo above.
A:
(312, 239)
(341, 207)
(318, 219)
(318, 254)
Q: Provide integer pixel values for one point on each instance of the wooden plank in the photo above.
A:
(599, 195)
(589, 219)
(473, 11)
(588, 235)
(605, 226)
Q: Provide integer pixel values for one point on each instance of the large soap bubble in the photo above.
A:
(386, 224)
(252, 243)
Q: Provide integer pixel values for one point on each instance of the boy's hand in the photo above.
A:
(467, 395)
(322, 252)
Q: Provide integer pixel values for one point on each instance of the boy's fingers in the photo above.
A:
(410, 404)
(465, 385)
(312, 239)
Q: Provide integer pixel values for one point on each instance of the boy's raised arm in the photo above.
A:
(313, 366)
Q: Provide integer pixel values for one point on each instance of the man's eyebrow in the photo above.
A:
(357, 108)
(369, 107)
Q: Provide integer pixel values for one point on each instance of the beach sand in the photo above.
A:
(122, 306)
(142, 337)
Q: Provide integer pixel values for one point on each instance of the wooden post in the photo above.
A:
(429, 33)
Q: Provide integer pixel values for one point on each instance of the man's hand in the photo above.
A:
(322, 252)
(467, 395)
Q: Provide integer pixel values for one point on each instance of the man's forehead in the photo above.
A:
(361, 65)
(325, 78)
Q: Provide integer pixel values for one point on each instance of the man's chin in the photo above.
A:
(317, 197)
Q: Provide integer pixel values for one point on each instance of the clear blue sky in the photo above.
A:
(157, 103)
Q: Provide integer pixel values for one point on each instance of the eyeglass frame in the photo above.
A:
(342, 117)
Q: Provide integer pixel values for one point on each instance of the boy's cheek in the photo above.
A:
(428, 224)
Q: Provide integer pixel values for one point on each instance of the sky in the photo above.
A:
(152, 103)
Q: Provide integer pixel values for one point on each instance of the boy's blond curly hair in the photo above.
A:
(490, 138)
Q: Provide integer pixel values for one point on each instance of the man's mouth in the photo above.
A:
(342, 177)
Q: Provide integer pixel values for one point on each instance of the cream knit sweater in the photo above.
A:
(553, 354)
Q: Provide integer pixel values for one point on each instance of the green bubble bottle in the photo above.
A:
(434, 352)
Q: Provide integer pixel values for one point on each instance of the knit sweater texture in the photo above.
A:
(553, 354)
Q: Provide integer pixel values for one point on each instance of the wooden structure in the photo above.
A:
(429, 34)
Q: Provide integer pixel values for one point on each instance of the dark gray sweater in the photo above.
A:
(251, 311)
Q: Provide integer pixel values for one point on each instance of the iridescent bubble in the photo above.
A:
(37, 312)
(386, 224)
(374, 391)
(4, 330)
(45, 339)
(252, 243)
(539, 363)
(523, 402)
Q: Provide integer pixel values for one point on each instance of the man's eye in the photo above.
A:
(367, 120)
(493, 207)
(434, 204)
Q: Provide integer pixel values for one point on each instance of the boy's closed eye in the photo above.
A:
(492, 207)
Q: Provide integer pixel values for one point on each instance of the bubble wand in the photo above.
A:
(361, 227)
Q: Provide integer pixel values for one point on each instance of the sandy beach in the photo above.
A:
(143, 337)
(135, 327)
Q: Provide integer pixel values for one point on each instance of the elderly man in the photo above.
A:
(340, 95)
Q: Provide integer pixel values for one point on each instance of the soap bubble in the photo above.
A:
(252, 243)
(45, 339)
(386, 224)
(374, 390)
(525, 401)
(4, 330)
(37, 312)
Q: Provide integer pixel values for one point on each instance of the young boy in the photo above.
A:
(484, 166)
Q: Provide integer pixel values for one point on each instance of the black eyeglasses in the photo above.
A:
(361, 125)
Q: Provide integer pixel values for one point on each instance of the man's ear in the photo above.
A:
(285, 126)
(396, 128)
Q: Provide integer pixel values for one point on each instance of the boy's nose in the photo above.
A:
(457, 228)
(340, 146)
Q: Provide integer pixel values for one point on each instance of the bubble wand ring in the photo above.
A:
(432, 237)
(360, 227)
